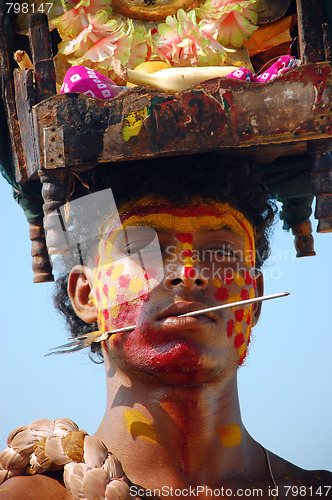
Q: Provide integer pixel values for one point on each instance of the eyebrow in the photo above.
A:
(205, 229)
(223, 228)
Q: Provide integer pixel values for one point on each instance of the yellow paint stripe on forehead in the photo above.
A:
(180, 220)
(177, 223)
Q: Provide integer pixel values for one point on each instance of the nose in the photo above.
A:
(188, 277)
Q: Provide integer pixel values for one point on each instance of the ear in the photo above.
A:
(80, 284)
(259, 292)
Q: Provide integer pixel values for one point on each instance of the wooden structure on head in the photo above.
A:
(275, 123)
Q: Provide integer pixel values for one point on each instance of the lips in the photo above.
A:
(173, 312)
(166, 327)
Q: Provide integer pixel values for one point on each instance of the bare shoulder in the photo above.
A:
(297, 483)
(38, 487)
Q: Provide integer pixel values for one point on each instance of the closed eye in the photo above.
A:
(145, 246)
(220, 252)
(135, 240)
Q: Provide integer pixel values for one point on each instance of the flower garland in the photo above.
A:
(89, 469)
(93, 36)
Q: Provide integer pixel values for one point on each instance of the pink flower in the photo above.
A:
(230, 22)
(96, 29)
(182, 43)
(71, 23)
(108, 43)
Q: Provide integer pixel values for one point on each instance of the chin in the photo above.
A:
(180, 362)
(183, 357)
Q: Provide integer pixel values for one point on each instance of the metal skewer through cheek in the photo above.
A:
(85, 340)
(207, 309)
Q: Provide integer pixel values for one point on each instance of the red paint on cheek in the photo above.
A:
(222, 294)
(248, 278)
(228, 278)
(230, 327)
(142, 347)
(128, 314)
(239, 339)
(124, 281)
(239, 314)
(145, 297)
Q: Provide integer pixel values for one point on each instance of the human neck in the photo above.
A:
(168, 435)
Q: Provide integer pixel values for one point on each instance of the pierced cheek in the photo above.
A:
(123, 313)
(127, 313)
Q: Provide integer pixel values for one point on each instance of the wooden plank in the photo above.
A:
(309, 18)
(25, 100)
(8, 96)
(218, 115)
(42, 56)
(327, 42)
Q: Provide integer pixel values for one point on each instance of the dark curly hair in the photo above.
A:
(179, 179)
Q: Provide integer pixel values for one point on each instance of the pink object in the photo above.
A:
(242, 74)
(283, 64)
(89, 82)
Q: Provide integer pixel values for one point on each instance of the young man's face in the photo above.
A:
(207, 258)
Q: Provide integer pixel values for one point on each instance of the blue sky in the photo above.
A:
(285, 385)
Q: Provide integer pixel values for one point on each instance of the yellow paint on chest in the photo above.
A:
(139, 426)
(230, 435)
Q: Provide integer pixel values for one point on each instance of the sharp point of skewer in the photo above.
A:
(85, 340)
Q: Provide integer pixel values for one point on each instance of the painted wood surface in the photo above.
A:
(219, 115)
